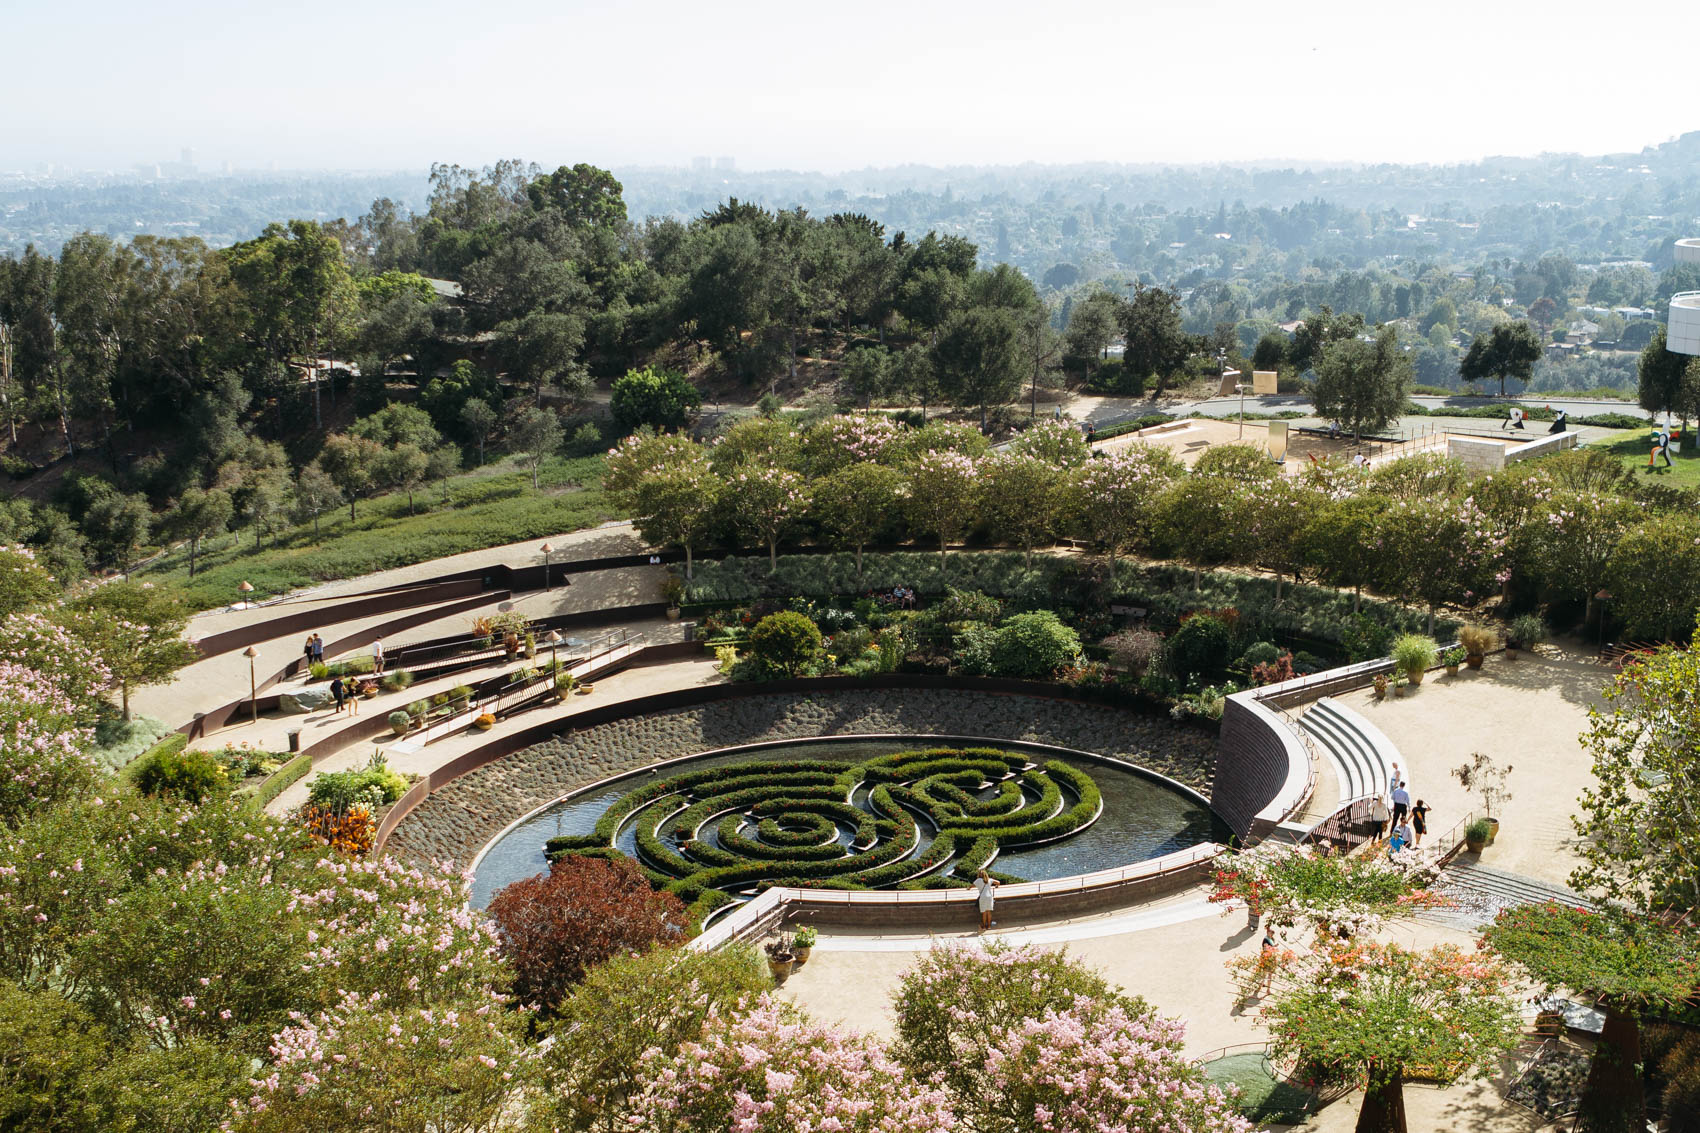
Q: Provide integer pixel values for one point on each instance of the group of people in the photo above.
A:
(314, 649)
(902, 597)
(1409, 820)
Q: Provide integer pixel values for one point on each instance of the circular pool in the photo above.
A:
(861, 812)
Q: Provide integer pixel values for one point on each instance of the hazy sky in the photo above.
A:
(390, 84)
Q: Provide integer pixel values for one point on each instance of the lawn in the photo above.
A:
(1634, 447)
(1262, 1099)
(485, 508)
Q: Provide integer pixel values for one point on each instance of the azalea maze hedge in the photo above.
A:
(914, 819)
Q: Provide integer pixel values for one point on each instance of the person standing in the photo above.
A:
(307, 649)
(1267, 960)
(338, 694)
(1419, 821)
(1378, 816)
(318, 649)
(1401, 802)
(1393, 778)
(378, 657)
(985, 885)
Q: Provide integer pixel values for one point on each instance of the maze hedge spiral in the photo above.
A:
(710, 834)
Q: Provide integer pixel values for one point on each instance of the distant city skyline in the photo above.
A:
(380, 85)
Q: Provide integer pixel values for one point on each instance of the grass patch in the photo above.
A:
(486, 508)
(1684, 471)
(260, 795)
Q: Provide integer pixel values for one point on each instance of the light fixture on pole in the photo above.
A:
(253, 683)
(247, 589)
(547, 551)
(553, 640)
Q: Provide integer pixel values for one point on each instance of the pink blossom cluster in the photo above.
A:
(1094, 1068)
(841, 440)
(41, 643)
(41, 743)
(768, 1073)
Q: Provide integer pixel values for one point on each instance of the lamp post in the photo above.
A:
(247, 589)
(253, 684)
(547, 551)
(553, 640)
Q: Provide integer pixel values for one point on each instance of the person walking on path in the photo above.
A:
(338, 694)
(1378, 816)
(307, 649)
(985, 885)
(378, 657)
(1419, 821)
(318, 649)
(1401, 802)
(1393, 778)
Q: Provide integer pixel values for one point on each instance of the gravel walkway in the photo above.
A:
(455, 821)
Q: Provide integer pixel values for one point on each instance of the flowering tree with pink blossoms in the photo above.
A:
(766, 502)
(1118, 494)
(768, 1072)
(1024, 500)
(41, 759)
(838, 442)
(944, 491)
(366, 1064)
(1058, 443)
(1093, 1068)
(42, 642)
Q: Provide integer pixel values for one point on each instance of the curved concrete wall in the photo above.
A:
(1682, 334)
(1262, 768)
(1688, 250)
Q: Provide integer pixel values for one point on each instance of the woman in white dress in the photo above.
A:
(984, 885)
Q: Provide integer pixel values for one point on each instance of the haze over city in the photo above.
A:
(363, 85)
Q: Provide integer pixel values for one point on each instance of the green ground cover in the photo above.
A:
(1634, 446)
(1263, 1098)
(486, 508)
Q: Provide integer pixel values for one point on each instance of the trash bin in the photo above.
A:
(295, 739)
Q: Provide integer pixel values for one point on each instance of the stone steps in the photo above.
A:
(1360, 755)
(1479, 892)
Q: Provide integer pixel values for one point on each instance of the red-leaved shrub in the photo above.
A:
(558, 925)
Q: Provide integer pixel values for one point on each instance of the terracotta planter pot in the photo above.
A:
(1473, 846)
(1493, 831)
(1474, 660)
(801, 954)
(672, 613)
(1451, 670)
(1415, 676)
(780, 969)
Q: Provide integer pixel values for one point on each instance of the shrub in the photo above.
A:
(319, 671)
(1200, 648)
(657, 398)
(586, 440)
(372, 786)
(972, 648)
(1134, 649)
(657, 1000)
(1261, 653)
(188, 775)
(1365, 639)
(786, 642)
(396, 681)
(1527, 631)
(556, 926)
(1478, 830)
(261, 794)
(1273, 672)
(118, 742)
(1413, 653)
(1034, 645)
(350, 832)
(954, 1004)
(418, 708)
(1453, 657)
(400, 720)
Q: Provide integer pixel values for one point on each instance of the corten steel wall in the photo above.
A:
(305, 621)
(506, 745)
(216, 718)
(1253, 765)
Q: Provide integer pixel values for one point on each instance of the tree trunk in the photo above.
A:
(688, 568)
(194, 546)
(858, 562)
(124, 696)
(1383, 1110)
(481, 448)
(351, 505)
(941, 553)
(534, 469)
(1612, 1099)
(1357, 598)
(1431, 621)
(772, 555)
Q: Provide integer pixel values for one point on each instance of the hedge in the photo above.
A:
(169, 745)
(260, 795)
(941, 783)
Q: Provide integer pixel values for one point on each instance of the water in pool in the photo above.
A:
(1141, 818)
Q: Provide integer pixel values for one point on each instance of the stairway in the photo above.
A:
(1479, 893)
(1360, 755)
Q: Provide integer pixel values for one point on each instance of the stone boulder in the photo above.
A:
(303, 700)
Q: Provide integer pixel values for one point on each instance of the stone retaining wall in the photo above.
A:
(461, 816)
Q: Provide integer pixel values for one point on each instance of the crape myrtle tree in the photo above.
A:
(1636, 817)
(1342, 539)
(1117, 497)
(944, 494)
(1575, 538)
(853, 505)
(1654, 577)
(1634, 966)
(1023, 500)
(1378, 1012)
(678, 504)
(766, 503)
(136, 630)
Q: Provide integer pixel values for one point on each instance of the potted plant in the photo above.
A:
(780, 958)
(565, 682)
(1477, 642)
(1526, 632)
(484, 721)
(1380, 686)
(672, 589)
(584, 690)
(1476, 836)
(1487, 778)
(530, 645)
(1412, 655)
(400, 722)
(1452, 658)
(803, 943)
(1398, 681)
